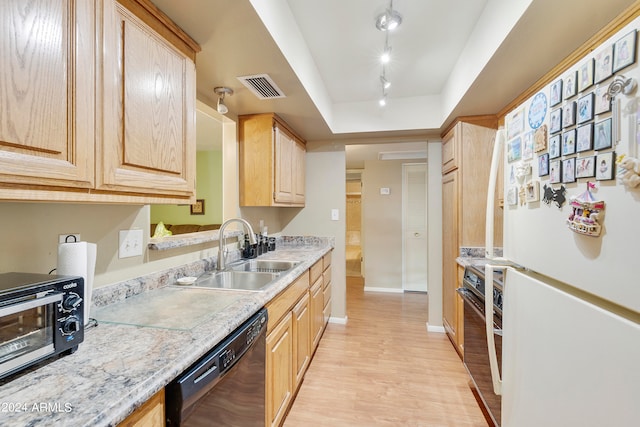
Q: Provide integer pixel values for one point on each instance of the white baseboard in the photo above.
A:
(388, 290)
(439, 329)
(338, 320)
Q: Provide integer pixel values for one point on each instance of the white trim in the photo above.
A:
(432, 328)
(338, 320)
(388, 290)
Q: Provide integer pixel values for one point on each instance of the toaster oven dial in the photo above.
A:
(71, 302)
(71, 325)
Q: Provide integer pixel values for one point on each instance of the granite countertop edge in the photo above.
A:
(119, 367)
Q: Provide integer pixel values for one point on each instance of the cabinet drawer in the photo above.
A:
(315, 271)
(327, 311)
(326, 277)
(327, 295)
(281, 305)
(326, 261)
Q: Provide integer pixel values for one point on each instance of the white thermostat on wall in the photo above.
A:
(384, 190)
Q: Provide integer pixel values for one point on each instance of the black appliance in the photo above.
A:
(226, 387)
(41, 316)
(476, 349)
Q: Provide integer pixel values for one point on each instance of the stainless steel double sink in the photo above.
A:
(249, 275)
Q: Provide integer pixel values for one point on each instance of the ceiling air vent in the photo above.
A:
(262, 86)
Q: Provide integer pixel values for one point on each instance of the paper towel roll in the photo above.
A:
(79, 259)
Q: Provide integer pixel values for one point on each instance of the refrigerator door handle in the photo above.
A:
(498, 143)
(491, 343)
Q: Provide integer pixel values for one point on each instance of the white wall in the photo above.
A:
(325, 190)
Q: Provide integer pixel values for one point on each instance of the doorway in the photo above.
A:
(353, 250)
(414, 227)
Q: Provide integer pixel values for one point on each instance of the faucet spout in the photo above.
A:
(221, 265)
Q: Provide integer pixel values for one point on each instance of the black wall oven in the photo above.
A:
(476, 350)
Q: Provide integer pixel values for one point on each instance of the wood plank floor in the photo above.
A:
(384, 369)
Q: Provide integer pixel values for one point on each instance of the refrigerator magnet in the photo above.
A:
(532, 191)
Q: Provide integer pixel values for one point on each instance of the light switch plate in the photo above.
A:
(335, 215)
(385, 191)
(130, 243)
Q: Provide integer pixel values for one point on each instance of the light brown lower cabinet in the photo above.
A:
(150, 414)
(301, 337)
(279, 373)
(317, 311)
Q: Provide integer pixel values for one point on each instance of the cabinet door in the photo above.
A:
(47, 89)
(284, 167)
(279, 372)
(299, 161)
(450, 251)
(301, 337)
(450, 147)
(147, 141)
(317, 311)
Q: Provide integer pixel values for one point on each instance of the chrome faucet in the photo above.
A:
(222, 240)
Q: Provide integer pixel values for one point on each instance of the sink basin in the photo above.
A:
(264, 266)
(244, 280)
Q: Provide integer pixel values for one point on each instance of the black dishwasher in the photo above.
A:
(226, 387)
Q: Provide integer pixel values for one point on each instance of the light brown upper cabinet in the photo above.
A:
(47, 77)
(272, 162)
(101, 103)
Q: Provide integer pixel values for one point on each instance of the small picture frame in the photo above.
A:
(515, 125)
(585, 75)
(570, 84)
(605, 164)
(540, 139)
(586, 167)
(602, 135)
(554, 146)
(527, 146)
(624, 51)
(584, 138)
(604, 64)
(515, 150)
(569, 114)
(602, 103)
(555, 96)
(569, 142)
(585, 108)
(543, 164)
(555, 171)
(569, 170)
(555, 119)
(532, 191)
(198, 207)
(512, 196)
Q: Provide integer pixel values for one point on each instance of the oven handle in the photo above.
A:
(488, 309)
(33, 303)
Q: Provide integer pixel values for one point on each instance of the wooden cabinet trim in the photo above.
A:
(150, 414)
(282, 304)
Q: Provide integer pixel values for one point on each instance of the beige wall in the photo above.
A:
(382, 224)
(434, 233)
(325, 190)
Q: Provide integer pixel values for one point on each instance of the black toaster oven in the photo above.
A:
(41, 316)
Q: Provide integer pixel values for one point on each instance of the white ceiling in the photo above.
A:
(450, 58)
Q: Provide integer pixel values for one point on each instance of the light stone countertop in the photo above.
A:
(119, 367)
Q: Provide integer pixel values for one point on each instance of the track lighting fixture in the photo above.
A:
(222, 92)
(389, 20)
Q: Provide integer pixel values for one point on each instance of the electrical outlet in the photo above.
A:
(130, 243)
(69, 238)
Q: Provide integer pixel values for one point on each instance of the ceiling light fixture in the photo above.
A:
(386, 84)
(222, 92)
(389, 20)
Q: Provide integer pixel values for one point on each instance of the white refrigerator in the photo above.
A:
(571, 321)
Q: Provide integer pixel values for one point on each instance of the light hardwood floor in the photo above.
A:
(384, 369)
